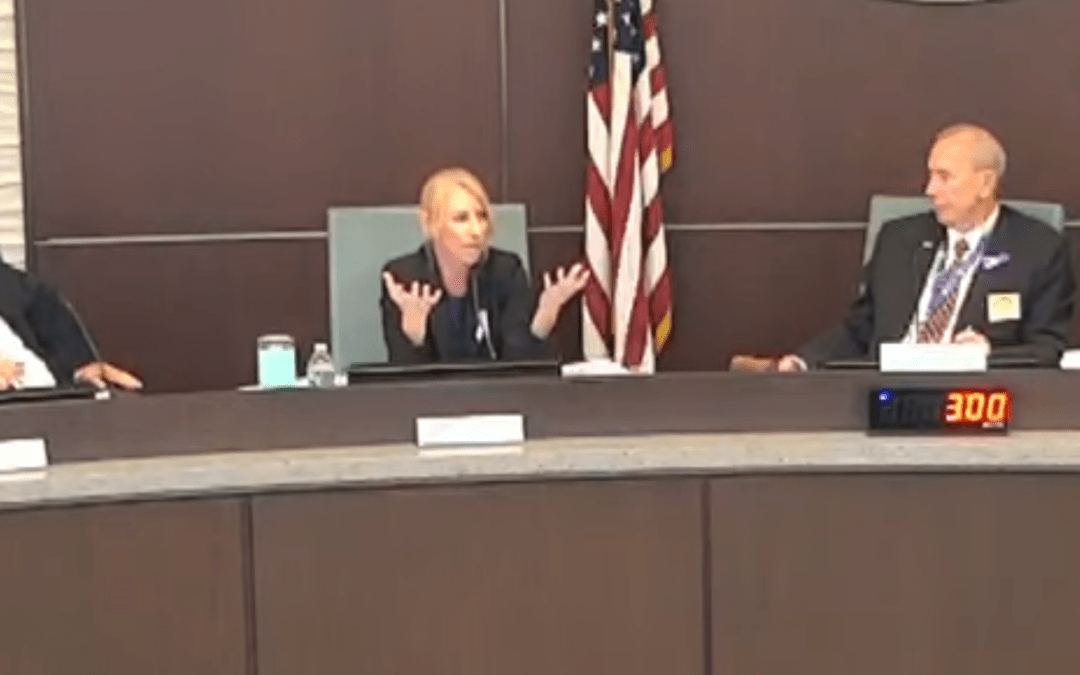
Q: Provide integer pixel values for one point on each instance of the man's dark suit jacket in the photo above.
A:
(1038, 268)
(500, 286)
(35, 312)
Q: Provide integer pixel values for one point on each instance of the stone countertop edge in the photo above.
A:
(232, 473)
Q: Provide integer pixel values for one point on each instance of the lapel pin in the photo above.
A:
(990, 261)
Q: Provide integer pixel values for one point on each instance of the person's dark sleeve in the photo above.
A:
(849, 339)
(516, 321)
(1044, 331)
(65, 348)
(852, 336)
(399, 348)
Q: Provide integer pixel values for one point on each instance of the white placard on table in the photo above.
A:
(594, 368)
(471, 430)
(1070, 360)
(905, 357)
(22, 454)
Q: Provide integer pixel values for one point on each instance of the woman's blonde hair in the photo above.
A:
(436, 191)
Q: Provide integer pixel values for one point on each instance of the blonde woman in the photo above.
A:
(458, 299)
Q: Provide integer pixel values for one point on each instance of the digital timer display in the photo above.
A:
(928, 409)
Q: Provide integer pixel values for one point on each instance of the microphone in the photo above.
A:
(482, 319)
(95, 353)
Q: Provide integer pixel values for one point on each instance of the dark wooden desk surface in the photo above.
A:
(132, 425)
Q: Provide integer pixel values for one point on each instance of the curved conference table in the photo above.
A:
(695, 524)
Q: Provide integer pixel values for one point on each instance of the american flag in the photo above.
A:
(626, 314)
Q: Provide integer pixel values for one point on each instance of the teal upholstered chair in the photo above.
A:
(884, 208)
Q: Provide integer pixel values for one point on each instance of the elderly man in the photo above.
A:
(42, 343)
(973, 270)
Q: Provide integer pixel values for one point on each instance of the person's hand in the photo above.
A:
(11, 372)
(558, 289)
(970, 336)
(415, 303)
(99, 373)
(791, 363)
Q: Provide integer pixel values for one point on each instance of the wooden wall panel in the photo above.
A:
(546, 104)
(123, 588)
(187, 316)
(736, 291)
(799, 110)
(529, 579)
(748, 292)
(550, 250)
(895, 574)
(226, 115)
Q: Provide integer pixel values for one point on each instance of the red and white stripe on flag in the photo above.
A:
(627, 308)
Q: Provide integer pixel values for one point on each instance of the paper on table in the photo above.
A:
(1070, 360)
(903, 357)
(470, 430)
(594, 368)
(22, 454)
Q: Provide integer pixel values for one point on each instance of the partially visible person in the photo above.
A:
(456, 298)
(971, 271)
(42, 343)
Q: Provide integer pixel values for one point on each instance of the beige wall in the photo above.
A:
(11, 200)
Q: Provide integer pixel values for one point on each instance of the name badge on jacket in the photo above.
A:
(1002, 307)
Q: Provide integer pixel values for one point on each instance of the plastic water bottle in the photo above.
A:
(320, 368)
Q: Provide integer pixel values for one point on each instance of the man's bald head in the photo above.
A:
(985, 149)
(966, 164)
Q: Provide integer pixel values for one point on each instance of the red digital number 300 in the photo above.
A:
(977, 407)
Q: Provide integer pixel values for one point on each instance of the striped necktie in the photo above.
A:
(933, 328)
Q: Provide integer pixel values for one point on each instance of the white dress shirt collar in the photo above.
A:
(972, 236)
(35, 372)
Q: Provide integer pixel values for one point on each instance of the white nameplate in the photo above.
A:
(903, 357)
(1070, 360)
(470, 430)
(22, 454)
(594, 368)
